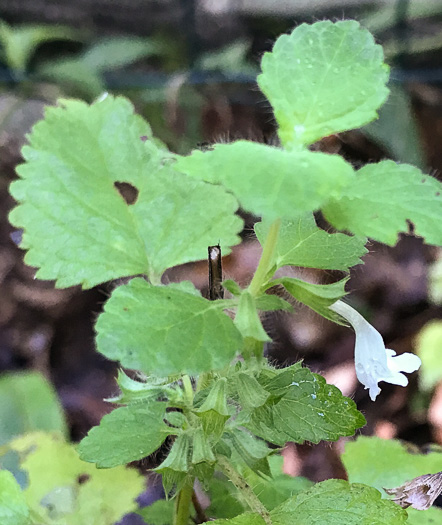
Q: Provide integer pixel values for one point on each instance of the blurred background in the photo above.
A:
(189, 67)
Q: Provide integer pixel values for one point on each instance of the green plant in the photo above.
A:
(201, 377)
(18, 44)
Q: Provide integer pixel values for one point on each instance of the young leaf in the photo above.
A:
(132, 391)
(80, 161)
(302, 243)
(214, 411)
(322, 79)
(126, 434)
(251, 394)
(69, 491)
(382, 197)
(270, 181)
(302, 408)
(270, 302)
(316, 296)
(162, 330)
(248, 450)
(13, 507)
(337, 502)
(247, 319)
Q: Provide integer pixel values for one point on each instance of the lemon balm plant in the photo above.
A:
(202, 380)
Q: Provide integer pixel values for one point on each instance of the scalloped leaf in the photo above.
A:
(126, 434)
(270, 181)
(322, 79)
(337, 502)
(382, 197)
(164, 330)
(303, 407)
(99, 200)
(302, 243)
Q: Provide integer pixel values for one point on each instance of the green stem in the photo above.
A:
(266, 261)
(182, 505)
(244, 488)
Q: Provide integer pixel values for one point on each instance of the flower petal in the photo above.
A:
(373, 362)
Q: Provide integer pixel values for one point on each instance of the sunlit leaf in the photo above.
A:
(323, 78)
(163, 330)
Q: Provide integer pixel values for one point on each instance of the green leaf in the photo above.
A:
(428, 348)
(223, 500)
(272, 492)
(20, 43)
(316, 296)
(232, 286)
(126, 434)
(213, 411)
(28, 402)
(163, 330)
(251, 394)
(396, 130)
(302, 408)
(73, 74)
(69, 200)
(248, 450)
(13, 507)
(322, 79)
(65, 489)
(431, 516)
(201, 449)
(117, 51)
(270, 302)
(382, 197)
(159, 513)
(302, 243)
(242, 519)
(337, 502)
(144, 389)
(386, 463)
(247, 319)
(270, 181)
(179, 455)
(216, 399)
(231, 58)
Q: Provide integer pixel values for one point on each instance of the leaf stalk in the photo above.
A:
(266, 261)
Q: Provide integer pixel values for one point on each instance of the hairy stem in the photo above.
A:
(265, 263)
(182, 505)
(244, 488)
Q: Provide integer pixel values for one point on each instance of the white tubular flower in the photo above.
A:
(373, 361)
